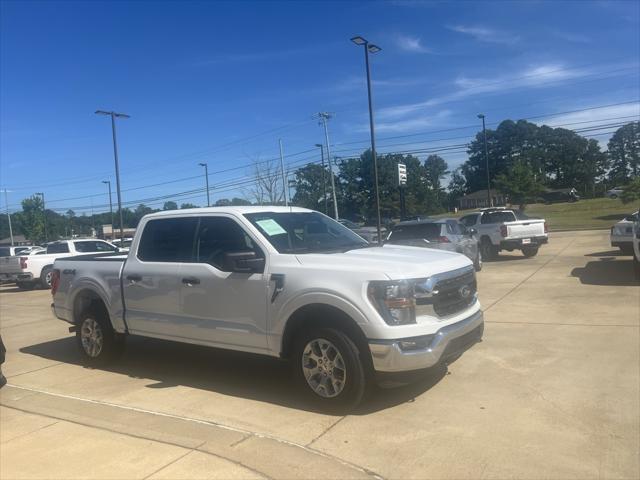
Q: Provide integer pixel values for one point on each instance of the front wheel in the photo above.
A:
(328, 367)
(529, 252)
(97, 341)
(487, 250)
(477, 263)
(45, 277)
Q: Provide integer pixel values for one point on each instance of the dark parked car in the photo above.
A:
(443, 234)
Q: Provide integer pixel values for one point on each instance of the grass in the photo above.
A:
(593, 213)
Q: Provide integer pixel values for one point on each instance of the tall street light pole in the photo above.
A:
(324, 116)
(113, 116)
(44, 215)
(6, 204)
(324, 182)
(371, 48)
(108, 183)
(486, 160)
(206, 177)
(284, 181)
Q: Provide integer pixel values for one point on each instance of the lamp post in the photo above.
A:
(108, 183)
(324, 116)
(113, 116)
(486, 159)
(324, 182)
(206, 177)
(6, 204)
(44, 215)
(371, 48)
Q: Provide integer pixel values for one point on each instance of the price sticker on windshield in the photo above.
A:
(271, 227)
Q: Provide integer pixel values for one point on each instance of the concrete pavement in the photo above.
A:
(552, 392)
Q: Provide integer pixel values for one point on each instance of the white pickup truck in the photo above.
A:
(28, 271)
(499, 229)
(280, 281)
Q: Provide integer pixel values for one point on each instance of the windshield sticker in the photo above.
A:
(271, 227)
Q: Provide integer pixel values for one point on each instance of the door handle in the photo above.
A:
(189, 281)
(134, 277)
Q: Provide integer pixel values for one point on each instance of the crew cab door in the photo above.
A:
(151, 281)
(218, 303)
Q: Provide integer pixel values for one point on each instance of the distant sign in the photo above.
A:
(402, 174)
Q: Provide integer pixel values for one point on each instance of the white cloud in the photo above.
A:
(411, 44)
(409, 124)
(572, 37)
(594, 116)
(484, 34)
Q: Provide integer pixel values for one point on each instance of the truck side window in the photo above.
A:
(220, 235)
(167, 240)
(498, 217)
(469, 220)
(62, 247)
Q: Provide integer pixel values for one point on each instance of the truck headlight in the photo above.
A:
(394, 301)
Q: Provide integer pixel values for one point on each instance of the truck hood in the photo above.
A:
(394, 261)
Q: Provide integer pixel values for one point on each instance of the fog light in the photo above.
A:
(415, 343)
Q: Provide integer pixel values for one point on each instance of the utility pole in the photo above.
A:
(206, 176)
(324, 116)
(284, 180)
(486, 159)
(113, 116)
(108, 183)
(324, 182)
(44, 215)
(371, 48)
(6, 204)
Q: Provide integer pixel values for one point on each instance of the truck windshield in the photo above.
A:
(305, 232)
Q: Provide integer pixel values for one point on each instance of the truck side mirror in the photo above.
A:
(472, 231)
(243, 262)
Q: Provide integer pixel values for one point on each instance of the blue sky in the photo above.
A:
(222, 82)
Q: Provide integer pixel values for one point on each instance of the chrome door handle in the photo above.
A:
(190, 281)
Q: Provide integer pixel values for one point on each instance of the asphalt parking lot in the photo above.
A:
(553, 391)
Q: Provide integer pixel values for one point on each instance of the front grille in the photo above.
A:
(454, 294)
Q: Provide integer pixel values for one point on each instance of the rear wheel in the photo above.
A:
(97, 341)
(45, 277)
(487, 250)
(530, 251)
(327, 366)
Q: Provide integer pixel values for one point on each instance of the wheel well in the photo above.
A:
(88, 300)
(326, 316)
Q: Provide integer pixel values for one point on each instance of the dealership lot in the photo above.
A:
(552, 391)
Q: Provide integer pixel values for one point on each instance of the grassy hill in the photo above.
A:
(585, 214)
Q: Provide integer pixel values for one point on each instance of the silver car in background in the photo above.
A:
(441, 233)
(621, 234)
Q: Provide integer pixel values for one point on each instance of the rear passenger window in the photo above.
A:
(58, 248)
(218, 236)
(497, 217)
(168, 240)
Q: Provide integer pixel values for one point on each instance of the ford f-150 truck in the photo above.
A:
(500, 229)
(280, 281)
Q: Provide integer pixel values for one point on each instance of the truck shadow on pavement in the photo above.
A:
(607, 271)
(169, 364)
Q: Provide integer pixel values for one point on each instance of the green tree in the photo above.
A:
(33, 219)
(519, 184)
(624, 153)
(170, 206)
(187, 205)
(631, 192)
(308, 183)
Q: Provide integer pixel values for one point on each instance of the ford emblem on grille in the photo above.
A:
(465, 291)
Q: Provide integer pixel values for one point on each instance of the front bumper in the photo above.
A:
(449, 341)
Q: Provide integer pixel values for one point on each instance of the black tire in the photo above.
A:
(477, 263)
(636, 267)
(529, 252)
(25, 285)
(112, 343)
(45, 277)
(488, 250)
(355, 384)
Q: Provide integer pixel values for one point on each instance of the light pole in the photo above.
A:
(6, 204)
(486, 160)
(108, 183)
(324, 182)
(371, 48)
(206, 177)
(324, 116)
(44, 215)
(113, 116)
(284, 182)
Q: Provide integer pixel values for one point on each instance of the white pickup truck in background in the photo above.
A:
(499, 229)
(28, 271)
(279, 281)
